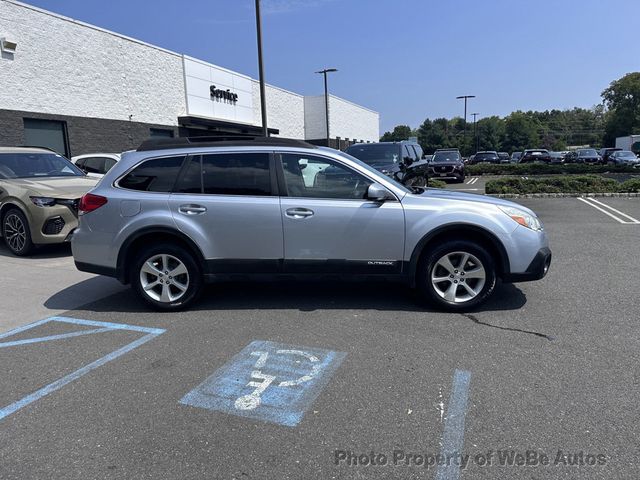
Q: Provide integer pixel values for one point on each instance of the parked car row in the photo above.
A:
(586, 156)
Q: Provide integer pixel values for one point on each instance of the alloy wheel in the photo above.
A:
(164, 278)
(15, 232)
(458, 277)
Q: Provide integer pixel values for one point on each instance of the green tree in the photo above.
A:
(622, 98)
(521, 131)
(491, 133)
(400, 132)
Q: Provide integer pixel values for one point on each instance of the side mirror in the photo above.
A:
(378, 193)
(407, 160)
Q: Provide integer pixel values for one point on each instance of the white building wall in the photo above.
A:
(285, 110)
(65, 67)
(346, 120)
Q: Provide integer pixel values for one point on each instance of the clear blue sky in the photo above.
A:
(407, 59)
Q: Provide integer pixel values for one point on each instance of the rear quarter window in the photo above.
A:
(157, 175)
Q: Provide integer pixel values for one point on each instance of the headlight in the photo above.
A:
(523, 218)
(43, 201)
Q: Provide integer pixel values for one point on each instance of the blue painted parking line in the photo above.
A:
(453, 435)
(267, 381)
(58, 384)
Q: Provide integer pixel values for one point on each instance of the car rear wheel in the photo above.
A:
(457, 275)
(16, 233)
(166, 277)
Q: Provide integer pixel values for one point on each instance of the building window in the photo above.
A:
(50, 134)
(160, 133)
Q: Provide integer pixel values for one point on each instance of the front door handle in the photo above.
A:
(192, 209)
(299, 212)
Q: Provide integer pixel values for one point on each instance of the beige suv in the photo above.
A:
(39, 194)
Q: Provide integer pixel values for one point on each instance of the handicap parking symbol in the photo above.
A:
(267, 381)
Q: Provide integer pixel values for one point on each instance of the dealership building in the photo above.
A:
(77, 88)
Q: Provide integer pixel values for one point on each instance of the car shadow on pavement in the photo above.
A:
(304, 296)
(57, 250)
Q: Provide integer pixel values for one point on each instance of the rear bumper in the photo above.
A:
(536, 270)
(98, 269)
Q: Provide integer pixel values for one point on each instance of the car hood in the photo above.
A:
(382, 165)
(57, 187)
(473, 197)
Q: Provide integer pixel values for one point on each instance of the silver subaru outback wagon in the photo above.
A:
(172, 215)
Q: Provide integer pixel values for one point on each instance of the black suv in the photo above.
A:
(535, 155)
(402, 161)
(447, 164)
(486, 157)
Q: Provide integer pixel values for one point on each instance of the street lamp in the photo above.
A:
(263, 100)
(464, 136)
(475, 134)
(326, 97)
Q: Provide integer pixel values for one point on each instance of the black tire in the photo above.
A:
(173, 254)
(428, 263)
(14, 222)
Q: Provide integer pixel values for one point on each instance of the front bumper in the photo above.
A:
(536, 270)
(51, 224)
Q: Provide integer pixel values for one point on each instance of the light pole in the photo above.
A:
(464, 135)
(326, 97)
(263, 100)
(475, 134)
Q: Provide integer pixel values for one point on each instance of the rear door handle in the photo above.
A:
(299, 212)
(192, 209)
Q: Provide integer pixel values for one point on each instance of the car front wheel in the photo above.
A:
(166, 277)
(457, 275)
(16, 233)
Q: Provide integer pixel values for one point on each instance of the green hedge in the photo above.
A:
(572, 184)
(630, 186)
(544, 169)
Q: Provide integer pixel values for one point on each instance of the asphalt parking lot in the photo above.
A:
(320, 380)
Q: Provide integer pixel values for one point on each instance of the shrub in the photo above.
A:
(437, 184)
(568, 184)
(630, 186)
(543, 169)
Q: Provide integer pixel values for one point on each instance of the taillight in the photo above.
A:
(90, 202)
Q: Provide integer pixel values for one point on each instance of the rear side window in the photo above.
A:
(236, 174)
(157, 175)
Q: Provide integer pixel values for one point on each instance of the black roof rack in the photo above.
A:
(220, 141)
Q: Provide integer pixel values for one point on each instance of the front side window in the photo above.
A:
(318, 177)
(157, 175)
(236, 174)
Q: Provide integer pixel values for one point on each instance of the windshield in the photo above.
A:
(452, 156)
(587, 152)
(375, 153)
(369, 168)
(626, 155)
(31, 165)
